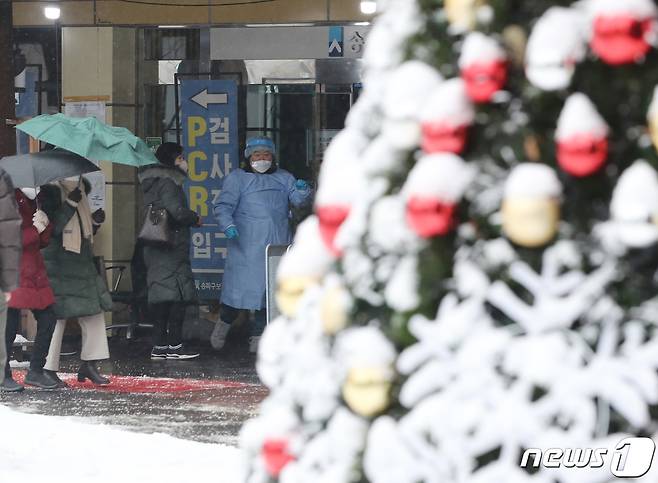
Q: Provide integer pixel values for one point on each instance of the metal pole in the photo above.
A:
(176, 102)
(57, 67)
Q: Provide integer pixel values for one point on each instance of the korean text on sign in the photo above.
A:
(210, 140)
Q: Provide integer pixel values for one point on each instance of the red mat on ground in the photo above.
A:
(145, 385)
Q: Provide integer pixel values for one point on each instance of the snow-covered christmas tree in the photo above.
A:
(480, 276)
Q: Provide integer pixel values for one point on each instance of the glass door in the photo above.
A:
(284, 110)
(301, 116)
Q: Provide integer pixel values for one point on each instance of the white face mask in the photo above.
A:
(31, 193)
(261, 166)
(183, 166)
(72, 178)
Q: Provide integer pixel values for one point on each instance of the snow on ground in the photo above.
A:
(56, 449)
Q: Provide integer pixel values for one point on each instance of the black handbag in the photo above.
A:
(156, 229)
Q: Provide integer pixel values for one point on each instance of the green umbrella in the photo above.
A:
(90, 138)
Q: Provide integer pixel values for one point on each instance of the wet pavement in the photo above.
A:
(205, 399)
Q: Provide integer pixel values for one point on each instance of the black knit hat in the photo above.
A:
(168, 152)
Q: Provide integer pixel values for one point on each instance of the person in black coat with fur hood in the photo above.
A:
(168, 269)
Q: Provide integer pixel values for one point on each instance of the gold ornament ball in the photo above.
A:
(462, 14)
(367, 390)
(334, 309)
(531, 222)
(516, 40)
(531, 148)
(653, 130)
(289, 291)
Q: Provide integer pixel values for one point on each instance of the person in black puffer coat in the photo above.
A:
(10, 257)
(168, 270)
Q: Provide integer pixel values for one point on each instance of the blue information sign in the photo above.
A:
(210, 140)
(336, 44)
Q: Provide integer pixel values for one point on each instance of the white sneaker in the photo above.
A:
(253, 343)
(218, 336)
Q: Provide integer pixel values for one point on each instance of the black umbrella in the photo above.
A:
(36, 169)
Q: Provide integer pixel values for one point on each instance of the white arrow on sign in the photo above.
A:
(335, 45)
(204, 98)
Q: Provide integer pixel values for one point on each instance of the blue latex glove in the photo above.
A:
(231, 232)
(301, 185)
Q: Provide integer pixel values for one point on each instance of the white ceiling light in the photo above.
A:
(368, 7)
(51, 13)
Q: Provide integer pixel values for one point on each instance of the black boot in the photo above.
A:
(38, 378)
(9, 385)
(53, 375)
(88, 371)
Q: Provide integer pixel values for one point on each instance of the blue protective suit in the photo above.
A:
(259, 206)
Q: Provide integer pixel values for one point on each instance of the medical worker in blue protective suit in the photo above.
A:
(253, 211)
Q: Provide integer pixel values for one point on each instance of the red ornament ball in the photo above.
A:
(582, 155)
(331, 218)
(484, 79)
(430, 217)
(442, 137)
(621, 39)
(276, 455)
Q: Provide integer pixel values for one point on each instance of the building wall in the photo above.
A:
(87, 73)
(108, 12)
(100, 63)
